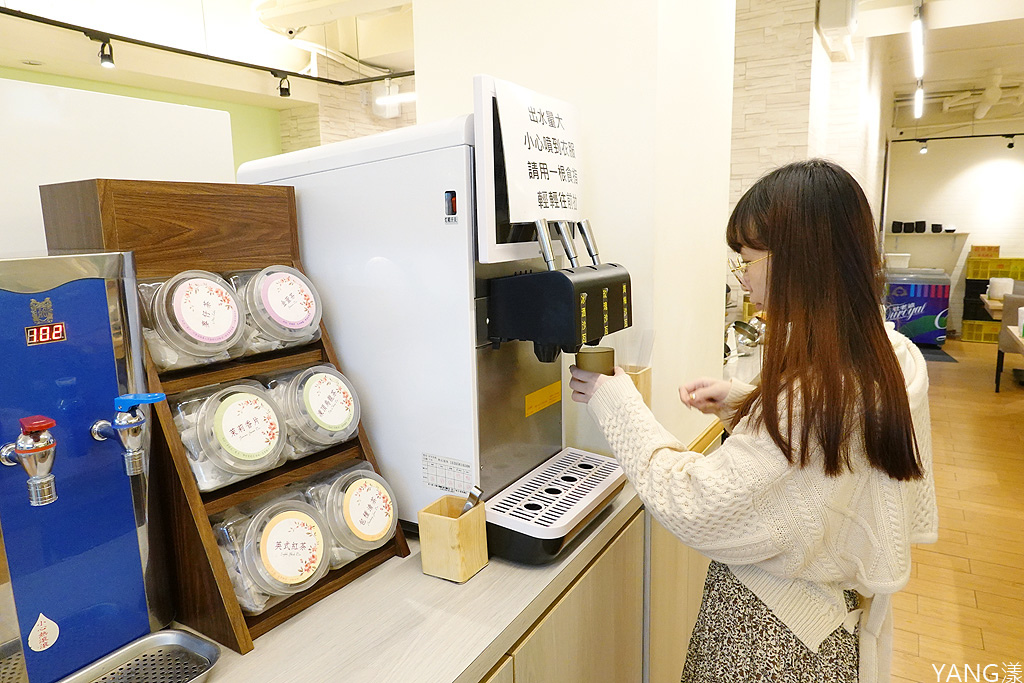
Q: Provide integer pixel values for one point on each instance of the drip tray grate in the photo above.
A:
(551, 500)
(163, 657)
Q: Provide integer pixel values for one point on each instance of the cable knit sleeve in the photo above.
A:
(727, 413)
(705, 501)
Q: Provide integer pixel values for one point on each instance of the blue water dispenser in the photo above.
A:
(79, 576)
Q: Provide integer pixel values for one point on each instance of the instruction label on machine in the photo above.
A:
(540, 136)
(447, 474)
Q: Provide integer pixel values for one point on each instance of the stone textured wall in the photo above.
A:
(791, 101)
(771, 87)
(343, 112)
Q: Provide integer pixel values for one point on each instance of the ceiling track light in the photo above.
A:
(106, 53)
(1009, 145)
(917, 41)
(919, 100)
(924, 146)
(284, 88)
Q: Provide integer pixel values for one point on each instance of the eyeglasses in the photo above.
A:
(739, 267)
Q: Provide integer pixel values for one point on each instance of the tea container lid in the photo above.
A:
(322, 405)
(197, 312)
(241, 429)
(361, 510)
(283, 303)
(285, 550)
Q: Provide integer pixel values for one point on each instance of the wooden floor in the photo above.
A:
(964, 604)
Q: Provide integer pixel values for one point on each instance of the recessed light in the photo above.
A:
(31, 62)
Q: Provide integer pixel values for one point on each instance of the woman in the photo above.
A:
(826, 478)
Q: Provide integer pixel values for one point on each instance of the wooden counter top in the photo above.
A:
(414, 628)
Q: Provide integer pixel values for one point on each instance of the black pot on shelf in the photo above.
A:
(897, 227)
(936, 227)
(919, 226)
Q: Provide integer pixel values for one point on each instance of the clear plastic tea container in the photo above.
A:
(359, 506)
(273, 548)
(191, 319)
(320, 406)
(231, 432)
(282, 308)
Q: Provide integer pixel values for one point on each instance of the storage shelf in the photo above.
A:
(258, 624)
(175, 381)
(173, 227)
(292, 471)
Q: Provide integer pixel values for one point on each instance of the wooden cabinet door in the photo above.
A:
(595, 630)
(503, 674)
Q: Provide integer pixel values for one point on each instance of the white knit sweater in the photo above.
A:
(795, 537)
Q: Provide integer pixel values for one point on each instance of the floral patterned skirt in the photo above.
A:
(737, 638)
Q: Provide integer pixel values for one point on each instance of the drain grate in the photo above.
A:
(12, 669)
(549, 501)
(165, 664)
(168, 656)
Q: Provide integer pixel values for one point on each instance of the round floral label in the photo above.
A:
(288, 300)
(291, 547)
(205, 310)
(328, 401)
(246, 426)
(368, 509)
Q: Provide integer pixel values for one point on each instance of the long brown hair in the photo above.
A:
(827, 355)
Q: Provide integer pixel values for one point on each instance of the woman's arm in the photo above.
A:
(706, 501)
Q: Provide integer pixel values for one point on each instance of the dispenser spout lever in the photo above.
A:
(589, 241)
(129, 426)
(565, 235)
(544, 240)
(34, 450)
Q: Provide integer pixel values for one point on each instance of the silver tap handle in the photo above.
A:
(565, 235)
(589, 241)
(544, 239)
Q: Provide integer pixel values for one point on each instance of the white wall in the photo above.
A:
(652, 81)
(53, 135)
(974, 184)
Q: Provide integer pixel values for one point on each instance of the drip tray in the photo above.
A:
(168, 656)
(536, 517)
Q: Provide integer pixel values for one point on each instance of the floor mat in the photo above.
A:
(934, 353)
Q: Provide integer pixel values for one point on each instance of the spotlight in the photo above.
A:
(106, 55)
(1009, 145)
(924, 146)
(284, 87)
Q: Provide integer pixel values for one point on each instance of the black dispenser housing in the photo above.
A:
(560, 310)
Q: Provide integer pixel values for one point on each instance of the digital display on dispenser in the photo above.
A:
(45, 334)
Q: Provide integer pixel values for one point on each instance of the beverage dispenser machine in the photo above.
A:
(449, 312)
(79, 575)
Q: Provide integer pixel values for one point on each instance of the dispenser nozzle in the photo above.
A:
(129, 427)
(35, 450)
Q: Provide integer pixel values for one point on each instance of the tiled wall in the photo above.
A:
(344, 112)
(771, 87)
(791, 101)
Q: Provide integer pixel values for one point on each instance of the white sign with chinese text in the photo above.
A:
(540, 137)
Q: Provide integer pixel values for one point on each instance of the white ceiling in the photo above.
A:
(223, 28)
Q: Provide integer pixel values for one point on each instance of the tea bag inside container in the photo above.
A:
(320, 406)
(282, 308)
(272, 548)
(193, 318)
(231, 432)
(359, 506)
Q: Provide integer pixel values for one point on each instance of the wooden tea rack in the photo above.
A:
(173, 227)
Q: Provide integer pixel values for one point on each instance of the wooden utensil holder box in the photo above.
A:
(173, 227)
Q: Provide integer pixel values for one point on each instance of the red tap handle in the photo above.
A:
(36, 423)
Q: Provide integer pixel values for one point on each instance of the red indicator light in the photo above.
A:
(45, 334)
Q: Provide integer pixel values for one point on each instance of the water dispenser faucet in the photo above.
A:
(128, 426)
(34, 449)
